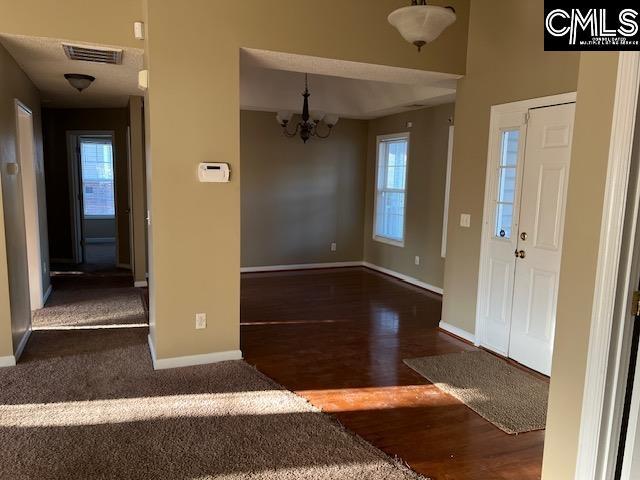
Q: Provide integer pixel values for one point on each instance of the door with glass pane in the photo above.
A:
(97, 200)
(527, 176)
(501, 229)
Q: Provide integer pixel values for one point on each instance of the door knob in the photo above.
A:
(523, 235)
(520, 254)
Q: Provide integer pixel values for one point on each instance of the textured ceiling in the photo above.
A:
(45, 62)
(272, 81)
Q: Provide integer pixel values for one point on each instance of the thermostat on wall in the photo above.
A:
(213, 172)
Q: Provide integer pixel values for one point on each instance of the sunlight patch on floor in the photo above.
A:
(123, 410)
(90, 327)
(378, 398)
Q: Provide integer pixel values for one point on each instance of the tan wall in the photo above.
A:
(298, 198)
(56, 124)
(589, 156)
(138, 189)
(506, 62)
(425, 194)
(14, 277)
(97, 21)
(193, 116)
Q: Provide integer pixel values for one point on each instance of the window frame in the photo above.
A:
(379, 140)
(517, 168)
(99, 139)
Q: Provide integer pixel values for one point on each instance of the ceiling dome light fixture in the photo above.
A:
(421, 23)
(308, 126)
(79, 81)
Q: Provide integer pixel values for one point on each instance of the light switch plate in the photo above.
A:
(201, 321)
(465, 220)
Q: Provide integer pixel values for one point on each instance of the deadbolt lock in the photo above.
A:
(520, 254)
(523, 235)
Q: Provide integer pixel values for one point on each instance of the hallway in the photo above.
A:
(99, 299)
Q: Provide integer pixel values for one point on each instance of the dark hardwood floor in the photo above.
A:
(338, 337)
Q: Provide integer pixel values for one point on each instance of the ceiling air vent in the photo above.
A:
(93, 54)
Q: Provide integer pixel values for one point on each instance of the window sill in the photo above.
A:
(99, 217)
(389, 241)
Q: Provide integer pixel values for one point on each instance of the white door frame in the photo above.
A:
(73, 168)
(521, 108)
(447, 192)
(30, 197)
(601, 408)
(130, 202)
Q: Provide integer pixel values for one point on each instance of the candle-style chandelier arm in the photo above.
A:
(286, 132)
(319, 135)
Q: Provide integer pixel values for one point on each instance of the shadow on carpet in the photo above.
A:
(96, 409)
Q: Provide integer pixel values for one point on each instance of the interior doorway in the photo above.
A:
(27, 162)
(93, 198)
(526, 188)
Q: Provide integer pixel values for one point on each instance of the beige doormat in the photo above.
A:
(510, 398)
(91, 307)
(88, 405)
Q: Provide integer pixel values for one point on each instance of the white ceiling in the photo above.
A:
(273, 81)
(45, 62)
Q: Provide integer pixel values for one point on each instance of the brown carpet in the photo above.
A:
(88, 307)
(88, 405)
(512, 399)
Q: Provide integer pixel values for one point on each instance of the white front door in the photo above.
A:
(544, 192)
(501, 231)
(526, 187)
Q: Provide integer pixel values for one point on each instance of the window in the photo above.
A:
(391, 190)
(507, 170)
(96, 158)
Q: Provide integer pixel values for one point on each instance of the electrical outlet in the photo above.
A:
(417, 260)
(334, 246)
(201, 320)
(465, 220)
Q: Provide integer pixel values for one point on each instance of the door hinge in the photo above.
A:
(635, 304)
(526, 117)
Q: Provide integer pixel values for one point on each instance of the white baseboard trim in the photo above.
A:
(140, 283)
(126, 266)
(190, 360)
(22, 345)
(458, 332)
(310, 266)
(404, 278)
(45, 297)
(8, 361)
(299, 266)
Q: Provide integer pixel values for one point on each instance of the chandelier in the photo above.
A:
(420, 23)
(310, 122)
